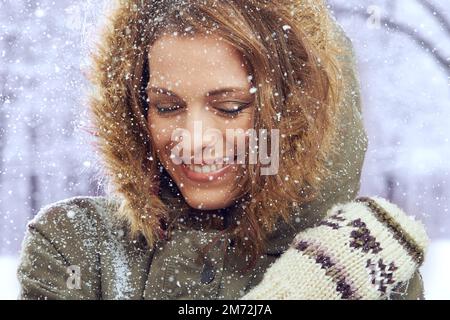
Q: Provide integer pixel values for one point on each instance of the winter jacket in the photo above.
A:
(76, 249)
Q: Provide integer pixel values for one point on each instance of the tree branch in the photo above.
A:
(435, 11)
(423, 42)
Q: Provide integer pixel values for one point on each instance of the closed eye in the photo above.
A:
(233, 109)
(227, 109)
(162, 108)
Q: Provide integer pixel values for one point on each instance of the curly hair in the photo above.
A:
(285, 43)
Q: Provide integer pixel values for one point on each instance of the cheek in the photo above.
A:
(243, 121)
(246, 122)
(161, 133)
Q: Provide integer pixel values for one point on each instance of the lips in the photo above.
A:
(205, 168)
(205, 172)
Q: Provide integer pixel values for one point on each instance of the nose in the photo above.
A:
(202, 128)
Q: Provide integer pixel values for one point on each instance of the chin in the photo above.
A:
(204, 202)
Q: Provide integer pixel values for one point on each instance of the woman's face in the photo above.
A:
(200, 83)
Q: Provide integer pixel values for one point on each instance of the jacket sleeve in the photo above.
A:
(364, 249)
(56, 260)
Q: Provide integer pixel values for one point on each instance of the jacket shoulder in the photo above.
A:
(63, 237)
(80, 210)
(75, 221)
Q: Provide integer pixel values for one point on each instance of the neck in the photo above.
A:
(181, 212)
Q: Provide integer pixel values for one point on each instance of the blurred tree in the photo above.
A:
(389, 23)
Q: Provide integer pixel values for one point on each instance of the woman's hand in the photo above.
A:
(364, 249)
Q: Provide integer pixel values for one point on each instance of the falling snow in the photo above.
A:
(46, 137)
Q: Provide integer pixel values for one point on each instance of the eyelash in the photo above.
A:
(167, 110)
(234, 112)
(227, 113)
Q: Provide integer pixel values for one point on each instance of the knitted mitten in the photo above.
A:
(363, 249)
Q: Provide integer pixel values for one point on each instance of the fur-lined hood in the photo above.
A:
(123, 151)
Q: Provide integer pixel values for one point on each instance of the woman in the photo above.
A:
(209, 229)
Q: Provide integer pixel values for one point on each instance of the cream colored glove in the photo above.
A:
(363, 249)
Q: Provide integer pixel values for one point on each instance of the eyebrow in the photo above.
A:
(211, 93)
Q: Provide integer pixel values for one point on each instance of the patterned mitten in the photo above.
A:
(363, 249)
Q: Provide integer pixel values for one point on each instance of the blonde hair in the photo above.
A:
(286, 45)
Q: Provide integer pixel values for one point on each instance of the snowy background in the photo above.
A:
(403, 52)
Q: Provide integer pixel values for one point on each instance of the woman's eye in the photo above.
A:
(227, 109)
(232, 109)
(167, 108)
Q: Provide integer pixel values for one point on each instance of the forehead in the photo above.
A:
(196, 64)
